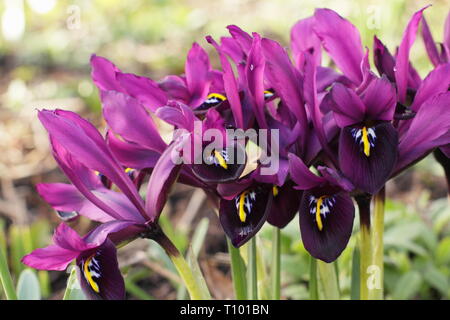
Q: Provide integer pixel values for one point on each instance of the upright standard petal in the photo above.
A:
(104, 74)
(143, 89)
(342, 41)
(128, 118)
(428, 130)
(380, 99)
(197, 71)
(402, 66)
(430, 45)
(163, 177)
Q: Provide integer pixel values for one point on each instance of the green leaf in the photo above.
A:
(443, 251)
(28, 287)
(73, 288)
(436, 279)
(407, 286)
(198, 276)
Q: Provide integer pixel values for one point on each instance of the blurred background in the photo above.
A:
(45, 47)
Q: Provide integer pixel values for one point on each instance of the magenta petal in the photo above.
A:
(368, 173)
(131, 155)
(303, 39)
(66, 197)
(342, 41)
(301, 175)
(197, 71)
(284, 78)
(380, 99)
(104, 74)
(348, 108)
(164, 175)
(52, 257)
(429, 129)
(430, 45)
(255, 79)
(67, 238)
(81, 139)
(178, 115)
(402, 67)
(230, 85)
(143, 89)
(437, 81)
(242, 38)
(128, 118)
(326, 244)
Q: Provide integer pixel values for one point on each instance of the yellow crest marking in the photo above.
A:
(221, 160)
(366, 143)
(242, 214)
(88, 275)
(318, 217)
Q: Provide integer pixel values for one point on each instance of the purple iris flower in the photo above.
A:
(81, 151)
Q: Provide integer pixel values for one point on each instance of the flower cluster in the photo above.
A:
(335, 134)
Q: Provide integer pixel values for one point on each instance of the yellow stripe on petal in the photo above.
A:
(275, 191)
(318, 217)
(217, 96)
(366, 143)
(221, 159)
(88, 275)
(242, 214)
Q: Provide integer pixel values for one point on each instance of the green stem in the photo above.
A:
(252, 277)
(378, 245)
(313, 289)
(178, 260)
(237, 272)
(328, 280)
(276, 264)
(365, 246)
(5, 277)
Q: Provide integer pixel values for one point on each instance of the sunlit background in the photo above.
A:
(45, 47)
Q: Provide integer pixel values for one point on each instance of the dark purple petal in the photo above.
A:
(384, 61)
(336, 215)
(301, 175)
(368, 171)
(243, 216)
(104, 74)
(161, 180)
(402, 66)
(285, 204)
(143, 89)
(222, 166)
(380, 99)
(437, 81)
(128, 118)
(429, 129)
(348, 108)
(100, 276)
(342, 41)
